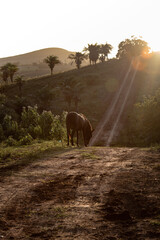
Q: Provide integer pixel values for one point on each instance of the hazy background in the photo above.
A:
(36, 24)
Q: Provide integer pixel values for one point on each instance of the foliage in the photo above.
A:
(5, 73)
(10, 127)
(105, 49)
(8, 70)
(12, 69)
(45, 122)
(51, 62)
(71, 91)
(19, 103)
(10, 141)
(45, 96)
(32, 125)
(78, 58)
(59, 130)
(19, 80)
(26, 140)
(93, 50)
(132, 47)
(29, 117)
(143, 128)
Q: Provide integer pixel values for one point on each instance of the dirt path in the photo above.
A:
(89, 193)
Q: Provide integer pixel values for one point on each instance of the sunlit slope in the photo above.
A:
(96, 86)
(32, 64)
(36, 56)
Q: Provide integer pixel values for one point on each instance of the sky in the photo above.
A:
(29, 25)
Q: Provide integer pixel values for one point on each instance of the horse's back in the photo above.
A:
(74, 121)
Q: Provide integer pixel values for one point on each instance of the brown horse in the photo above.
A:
(78, 122)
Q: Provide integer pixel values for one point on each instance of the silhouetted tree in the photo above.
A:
(132, 47)
(5, 73)
(19, 80)
(12, 69)
(51, 62)
(78, 58)
(8, 70)
(105, 49)
(94, 50)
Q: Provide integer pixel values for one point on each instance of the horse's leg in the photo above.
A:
(77, 139)
(72, 134)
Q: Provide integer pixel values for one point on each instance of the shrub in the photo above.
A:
(30, 116)
(143, 128)
(58, 127)
(26, 140)
(45, 122)
(11, 141)
(1, 133)
(10, 127)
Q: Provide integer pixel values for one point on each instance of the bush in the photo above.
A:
(10, 127)
(59, 127)
(26, 140)
(33, 126)
(11, 141)
(143, 128)
(30, 116)
(45, 122)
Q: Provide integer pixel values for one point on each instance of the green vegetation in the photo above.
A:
(39, 114)
(51, 62)
(78, 58)
(15, 157)
(132, 47)
(143, 128)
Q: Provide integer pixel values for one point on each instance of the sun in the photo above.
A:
(155, 45)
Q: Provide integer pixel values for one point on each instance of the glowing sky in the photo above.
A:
(28, 25)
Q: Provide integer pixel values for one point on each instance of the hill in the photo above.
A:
(97, 87)
(31, 64)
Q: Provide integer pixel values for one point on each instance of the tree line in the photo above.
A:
(126, 49)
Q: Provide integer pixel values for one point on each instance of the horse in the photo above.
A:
(78, 122)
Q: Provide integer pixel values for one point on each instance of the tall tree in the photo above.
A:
(19, 80)
(51, 62)
(12, 69)
(132, 47)
(105, 49)
(93, 51)
(78, 58)
(8, 70)
(5, 73)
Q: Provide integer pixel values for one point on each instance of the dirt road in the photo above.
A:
(84, 194)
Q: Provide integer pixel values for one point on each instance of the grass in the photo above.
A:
(13, 158)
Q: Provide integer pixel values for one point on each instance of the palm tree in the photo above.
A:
(93, 50)
(5, 73)
(12, 69)
(51, 61)
(78, 58)
(105, 49)
(19, 80)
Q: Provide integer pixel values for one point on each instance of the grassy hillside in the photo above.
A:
(95, 86)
